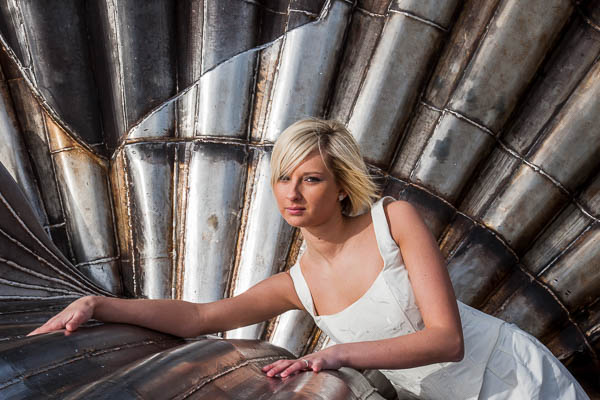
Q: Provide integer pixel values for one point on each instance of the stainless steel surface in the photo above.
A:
(140, 135)
(215, 188)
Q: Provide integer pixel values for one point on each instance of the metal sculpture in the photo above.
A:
(140, 133)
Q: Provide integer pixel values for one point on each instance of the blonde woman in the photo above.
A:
(375, 282)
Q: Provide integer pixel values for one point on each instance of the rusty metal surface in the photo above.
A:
(139, 136)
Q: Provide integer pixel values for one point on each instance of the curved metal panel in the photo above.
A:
(224, 97)
(563, 231)
(524, 207)
(576, 130)
(150, 188)
(303, 53)
(571, 60)
(569, 277)
(450, 156)
(215, 186)
(522, 31)
(266, 240)
(391, 84)
(13, 153)
(292, 331)
(84, 193)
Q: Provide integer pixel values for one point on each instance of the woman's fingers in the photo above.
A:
(77, 318)
(285, 368)
(296, 366)
(70, 318)
(53, 324)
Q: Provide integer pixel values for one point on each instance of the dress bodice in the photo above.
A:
(389, 309)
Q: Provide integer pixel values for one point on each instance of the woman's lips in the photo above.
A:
(295, 210)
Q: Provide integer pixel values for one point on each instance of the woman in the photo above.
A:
(374, 282)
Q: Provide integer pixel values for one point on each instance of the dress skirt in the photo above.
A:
(520, 367)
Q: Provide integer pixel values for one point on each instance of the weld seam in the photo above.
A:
(97, 261)
(37, 287)
(70, 360)
(41, 276)
(420, 19)
(226, 371)
(75, 284)
(372, 14)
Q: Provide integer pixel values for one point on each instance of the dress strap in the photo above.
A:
(387, 245)
(302, 289)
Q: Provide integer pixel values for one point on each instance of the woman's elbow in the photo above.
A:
(456, 348)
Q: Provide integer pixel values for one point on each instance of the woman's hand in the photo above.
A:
(76, 313)
(324, 359)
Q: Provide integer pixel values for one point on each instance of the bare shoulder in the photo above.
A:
(402, 218)
(285, 284)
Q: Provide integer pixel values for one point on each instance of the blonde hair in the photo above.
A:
(339, 152)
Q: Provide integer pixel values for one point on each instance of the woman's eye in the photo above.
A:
(284, 178)
(312, 179)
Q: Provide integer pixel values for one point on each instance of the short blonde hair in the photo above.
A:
(339, 152)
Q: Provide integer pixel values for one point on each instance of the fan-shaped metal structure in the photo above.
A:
(139, 133)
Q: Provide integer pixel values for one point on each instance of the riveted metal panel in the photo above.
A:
(462, 43)
(436, 212)
(364, 33)
(534, 309)
(590, 197)
(215, 187)
(225, 96)
(266, 239)
(521, 32)
(572, 58)
(33, 126)
(415, 139)
(306, 67)
(556, 238)
(149, 186)
(575, 131)
(56, 56)
(478, 264)
(571, 278)
(430, 10)
(292, 331)
(13, 153)
(451, 155)
(524, 207)
(489, 181)
(391, 85)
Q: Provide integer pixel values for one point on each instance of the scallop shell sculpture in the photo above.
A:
(139, 134)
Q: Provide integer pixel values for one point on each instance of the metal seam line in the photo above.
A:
(420, 19)
(30, 286)
(88, 354)
(39, 275)
(516, 155)
(97, 261)
(217, 375)
(35, 239)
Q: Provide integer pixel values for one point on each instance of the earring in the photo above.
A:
(341, 197)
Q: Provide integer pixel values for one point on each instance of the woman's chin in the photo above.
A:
(297, 221)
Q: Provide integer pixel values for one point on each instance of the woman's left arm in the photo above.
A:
(441, 340)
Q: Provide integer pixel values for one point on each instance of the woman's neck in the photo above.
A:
(326, 241)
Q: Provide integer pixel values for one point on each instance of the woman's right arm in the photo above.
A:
(265, 300)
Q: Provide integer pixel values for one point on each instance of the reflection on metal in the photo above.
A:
(140, 132)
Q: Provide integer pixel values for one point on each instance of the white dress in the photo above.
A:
(500, 362)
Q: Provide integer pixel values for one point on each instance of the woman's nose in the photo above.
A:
(293, 193)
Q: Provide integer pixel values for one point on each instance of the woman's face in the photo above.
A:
(308, 196)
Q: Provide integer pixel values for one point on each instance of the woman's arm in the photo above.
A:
(266, 299)
(441, 340)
